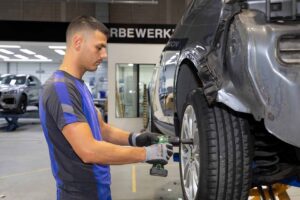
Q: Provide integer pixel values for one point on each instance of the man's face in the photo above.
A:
(93, 50)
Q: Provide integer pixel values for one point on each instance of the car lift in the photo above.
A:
(270, 192)
(12, 119)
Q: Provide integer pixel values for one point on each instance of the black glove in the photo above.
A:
(159, 153)
(143, 139)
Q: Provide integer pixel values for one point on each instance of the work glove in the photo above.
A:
(143, 139)
(159, 153)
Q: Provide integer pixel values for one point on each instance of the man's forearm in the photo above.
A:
(107, 153)
(115, 135)
(112, 134)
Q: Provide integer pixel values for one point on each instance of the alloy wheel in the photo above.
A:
(190, 153)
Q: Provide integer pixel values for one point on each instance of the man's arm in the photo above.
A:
(79, 135)
(112, 134)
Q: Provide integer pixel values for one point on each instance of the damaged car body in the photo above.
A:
(229, 78)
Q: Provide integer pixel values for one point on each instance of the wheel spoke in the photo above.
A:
(195, 179)
(187, 170)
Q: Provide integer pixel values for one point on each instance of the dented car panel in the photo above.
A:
(260, 75)
(265, 85)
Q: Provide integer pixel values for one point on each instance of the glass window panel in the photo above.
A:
(131, 85)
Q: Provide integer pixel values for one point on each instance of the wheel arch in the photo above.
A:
(186, 80)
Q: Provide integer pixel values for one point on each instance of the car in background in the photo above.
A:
(18, 92)
(229, 79)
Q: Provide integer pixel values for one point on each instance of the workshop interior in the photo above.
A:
(217, 79)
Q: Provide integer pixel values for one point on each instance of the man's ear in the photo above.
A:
(77, 41)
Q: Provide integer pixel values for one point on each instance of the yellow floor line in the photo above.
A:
(25, 173)
(133, 178)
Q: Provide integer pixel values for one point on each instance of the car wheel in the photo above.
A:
(217, 165)
(22, 105)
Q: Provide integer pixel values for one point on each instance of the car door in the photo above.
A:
(32, 91)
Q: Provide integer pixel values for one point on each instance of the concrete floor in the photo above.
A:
(25, 171)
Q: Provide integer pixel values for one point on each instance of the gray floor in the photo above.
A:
(25, 172)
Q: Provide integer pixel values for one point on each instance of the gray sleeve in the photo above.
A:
(64, 105)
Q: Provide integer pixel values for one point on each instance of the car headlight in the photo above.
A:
(11, 92)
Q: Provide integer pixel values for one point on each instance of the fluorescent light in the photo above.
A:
(21, 56)
(57, 47)
(6, 51)
(27, 60)
(27, 51)
(130, 65)
(60, 51)
(10, 46)
(41, 57)
(4, 57)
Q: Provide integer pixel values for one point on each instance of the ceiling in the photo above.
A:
(39, 48)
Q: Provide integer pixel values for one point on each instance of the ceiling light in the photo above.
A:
(4, 57)
(60, 51)
(27, 51)
(41, 57)
(27, 60)
(10, 46)
(6, 51)
(21, 56)
(57, 47)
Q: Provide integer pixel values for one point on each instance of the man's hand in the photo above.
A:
(143, 139)
(159, 153)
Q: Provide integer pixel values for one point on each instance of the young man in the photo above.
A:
(81, 144)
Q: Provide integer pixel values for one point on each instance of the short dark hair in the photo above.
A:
(86, 22)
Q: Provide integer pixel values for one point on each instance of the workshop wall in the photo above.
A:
(120, 53)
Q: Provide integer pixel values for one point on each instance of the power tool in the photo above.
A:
(158, 169)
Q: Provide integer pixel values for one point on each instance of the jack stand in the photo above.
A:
(270, 192)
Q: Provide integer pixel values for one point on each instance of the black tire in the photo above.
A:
(22, 105)
(222, 146)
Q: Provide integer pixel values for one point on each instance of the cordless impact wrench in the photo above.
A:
(158, 169)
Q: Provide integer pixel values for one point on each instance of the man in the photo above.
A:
(81, 144)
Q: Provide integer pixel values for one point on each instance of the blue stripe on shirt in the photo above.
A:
(64, 97)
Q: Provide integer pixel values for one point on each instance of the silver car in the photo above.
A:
(229, 79)
(19, 91)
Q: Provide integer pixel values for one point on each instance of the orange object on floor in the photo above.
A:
(279, 191)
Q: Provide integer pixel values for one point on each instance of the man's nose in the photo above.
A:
(104, 53)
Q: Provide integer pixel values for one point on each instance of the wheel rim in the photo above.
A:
(189, 156)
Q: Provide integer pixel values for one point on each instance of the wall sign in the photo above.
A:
(55, 32)
(140, 33)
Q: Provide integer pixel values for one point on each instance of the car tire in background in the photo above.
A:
(217, 165)
(22, 105)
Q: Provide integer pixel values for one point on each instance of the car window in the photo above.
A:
(7, 80)
(20, 80)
